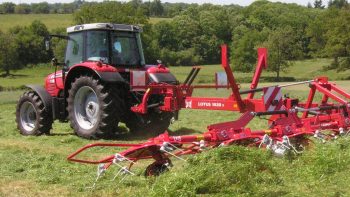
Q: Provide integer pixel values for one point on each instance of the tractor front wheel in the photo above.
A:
(93, 111)
(31, 116)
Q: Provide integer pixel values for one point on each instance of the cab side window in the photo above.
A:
(74, 52)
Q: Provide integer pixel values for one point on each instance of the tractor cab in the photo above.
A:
(113, 44)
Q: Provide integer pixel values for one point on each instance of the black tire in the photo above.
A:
(154, 123)
(105, 109)
(156, 169)
(31, 116)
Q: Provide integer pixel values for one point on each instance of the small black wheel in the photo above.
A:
(93, 108)
(156, 169)
(31, 116)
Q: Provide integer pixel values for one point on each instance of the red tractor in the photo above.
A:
(103, 76)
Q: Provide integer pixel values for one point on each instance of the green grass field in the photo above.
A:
(37, 166)
(52, 21)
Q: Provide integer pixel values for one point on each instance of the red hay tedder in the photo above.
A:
(290, 120)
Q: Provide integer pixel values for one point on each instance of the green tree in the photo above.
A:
(243, 55)
(283, 47)
(337, 3)
(186, 29)
(150, 44)
(22, 9)
(315, 31)
(136, 3)
(7, 8)
(166, 35)
(156, 8)
(30, 41)
(338, 39)
(318, 4)
(110, 12)
(173, 9)
(40, 8)
(9, 58)
(67, 8)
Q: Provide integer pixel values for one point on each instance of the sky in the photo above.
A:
(221, 2)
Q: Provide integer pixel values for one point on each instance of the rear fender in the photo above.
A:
(44, 96)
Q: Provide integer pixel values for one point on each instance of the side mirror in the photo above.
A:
(53, 61)
(47, 44)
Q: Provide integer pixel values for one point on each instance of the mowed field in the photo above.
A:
(52, 21)
(37, 166)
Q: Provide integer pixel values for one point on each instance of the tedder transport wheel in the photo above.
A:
(156, 169)
(93, 108)
(31, 116)
(154, 123)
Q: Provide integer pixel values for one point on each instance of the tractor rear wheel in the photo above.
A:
(31, 116)
(92, 107)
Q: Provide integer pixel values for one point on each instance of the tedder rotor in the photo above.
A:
(289, 122)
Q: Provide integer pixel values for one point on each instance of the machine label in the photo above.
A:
(210, 104)
(223, 134)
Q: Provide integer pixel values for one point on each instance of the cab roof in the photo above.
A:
(104, 26)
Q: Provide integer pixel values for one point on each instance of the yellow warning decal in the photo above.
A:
(200, 137)
(268, 131)
(235, 106)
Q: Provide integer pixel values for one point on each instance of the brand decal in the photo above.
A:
(188, 104)
(210, 104)
(177, 138)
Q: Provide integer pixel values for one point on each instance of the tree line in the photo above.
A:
(40, 8)
(193, 36)
(153, 8)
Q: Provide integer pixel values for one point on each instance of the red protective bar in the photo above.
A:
(310, 98)
(261, 64)
(329, 93)
(340, 91)
(235, 89)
